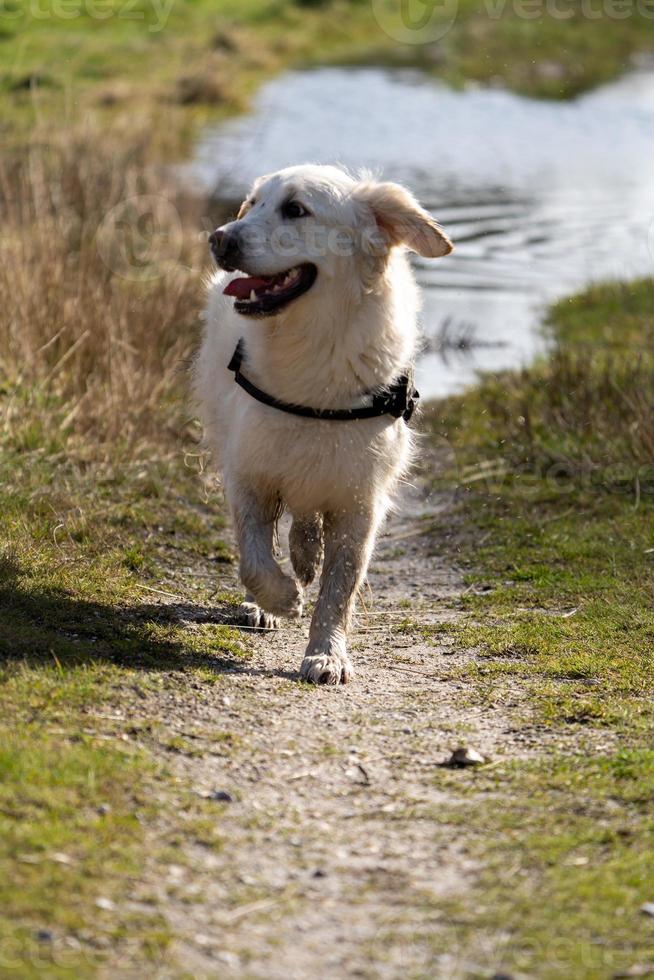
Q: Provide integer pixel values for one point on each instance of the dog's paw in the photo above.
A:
(288, 601)
(251, 615)
(279, 595)
(327, 668)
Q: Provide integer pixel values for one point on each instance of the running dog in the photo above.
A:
(303, 385)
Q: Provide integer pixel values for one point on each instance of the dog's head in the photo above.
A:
(309, 224)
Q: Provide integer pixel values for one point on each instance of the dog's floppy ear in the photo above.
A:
(402, 221)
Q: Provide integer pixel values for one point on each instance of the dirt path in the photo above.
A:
(335, 861)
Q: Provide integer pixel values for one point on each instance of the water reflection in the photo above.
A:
(539, 197)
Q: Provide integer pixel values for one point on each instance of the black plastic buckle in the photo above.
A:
(410, 405)
(400, 402)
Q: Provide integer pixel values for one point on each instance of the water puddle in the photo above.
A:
(540, 198)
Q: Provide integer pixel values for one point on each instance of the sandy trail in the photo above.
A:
(338, 857)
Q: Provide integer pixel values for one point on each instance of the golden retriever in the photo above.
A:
(321, 315)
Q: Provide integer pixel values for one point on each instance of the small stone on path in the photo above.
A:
(462, 757)
(220, 796)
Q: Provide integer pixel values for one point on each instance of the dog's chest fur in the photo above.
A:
(314, 465)
(325, 361)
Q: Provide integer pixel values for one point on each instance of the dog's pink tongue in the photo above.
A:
(241, 288)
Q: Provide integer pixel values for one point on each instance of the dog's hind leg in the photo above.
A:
(305, 543)
(349, 539)
(268, 587)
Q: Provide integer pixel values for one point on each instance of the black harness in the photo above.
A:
(398, 400)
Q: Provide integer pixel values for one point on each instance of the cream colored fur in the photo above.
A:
(353, 331)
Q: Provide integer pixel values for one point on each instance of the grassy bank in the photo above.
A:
(564, 846)
(87, 803)
(101, 510)
(182, 60)
(555, 504)
(556, 481)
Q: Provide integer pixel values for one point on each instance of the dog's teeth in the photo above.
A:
(253, 296)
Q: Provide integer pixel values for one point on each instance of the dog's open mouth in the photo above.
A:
(265, 295)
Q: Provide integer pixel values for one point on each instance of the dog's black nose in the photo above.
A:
(225, 247)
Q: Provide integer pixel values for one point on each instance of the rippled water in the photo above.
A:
(539, 197)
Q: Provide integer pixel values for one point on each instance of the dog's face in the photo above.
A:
(308, 224)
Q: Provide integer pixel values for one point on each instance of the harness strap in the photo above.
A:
(398, 400)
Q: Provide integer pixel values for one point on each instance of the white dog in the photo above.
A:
(320, 335)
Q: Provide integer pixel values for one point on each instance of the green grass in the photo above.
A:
(557, 515)
(84, 548)
(566, 851)
(81, 637)
(570, 604)
(72, 816)
(208, 55)
(579, 417)
(555, 534)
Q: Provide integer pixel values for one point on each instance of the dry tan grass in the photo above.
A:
(101, 262)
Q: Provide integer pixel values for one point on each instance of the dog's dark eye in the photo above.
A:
(293, 209)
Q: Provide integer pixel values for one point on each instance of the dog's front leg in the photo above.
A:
(349, 538)
(267, 586)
